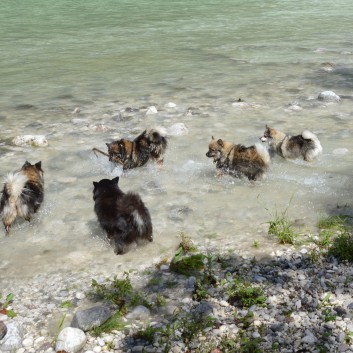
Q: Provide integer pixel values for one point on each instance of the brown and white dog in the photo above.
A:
(238, 160)
(306, 145)
(22, 194)
(123, 216)
(149, 145)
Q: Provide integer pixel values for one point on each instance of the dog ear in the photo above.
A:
(95, 184)
(38, 165)
(220, 142)
(213, 137)
(116, 179)
(108, 145)
(26, 164)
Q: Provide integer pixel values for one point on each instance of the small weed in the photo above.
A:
(342, 247)
(155, 281)
(113, 323)
(119, 292)
(66, 304)
(147, 334)
(282, 228)
(250, 345)
(110, 345)
(184, 262)
(160, 300)
(200, 292)
(329, 315)
(58, 329)
(255, 244)
(5, 304)
(187, 244)
(348, 337)
(338, 222)
(242, 293)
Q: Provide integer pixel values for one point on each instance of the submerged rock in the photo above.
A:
(329, 96)
(151, 110)
(33, 140)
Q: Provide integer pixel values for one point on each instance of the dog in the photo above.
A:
(306, 145)
(238, 160)
(149, 145)
(22, 195)
(123, 216)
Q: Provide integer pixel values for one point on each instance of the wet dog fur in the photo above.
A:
(306, 145)
(22, 195)
(149, 145)
(238, 160)
(123, 216)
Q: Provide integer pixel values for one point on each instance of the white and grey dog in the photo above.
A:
(306, 145)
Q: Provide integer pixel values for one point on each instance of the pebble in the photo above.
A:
(32, 140)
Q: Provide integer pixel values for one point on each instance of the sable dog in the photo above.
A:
(150, 144)
(238, 160)
(22, 194)
(306, 145)
(124, 217)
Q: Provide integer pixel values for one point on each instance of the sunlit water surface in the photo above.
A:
(73, 71)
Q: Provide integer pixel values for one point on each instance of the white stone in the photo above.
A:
(97, 349)
(70, 339)
(80, 295)
(27, 342)
(33, 140)
(329, 96)
(151, 110)
(170, 105)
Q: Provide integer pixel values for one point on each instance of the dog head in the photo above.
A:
(215, 149)
(268, 134)
(34, 172)
(104, 187)
(119, 151)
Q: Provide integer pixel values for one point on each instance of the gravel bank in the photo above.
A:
(302, 307)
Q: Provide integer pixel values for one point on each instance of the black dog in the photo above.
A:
(124, 217)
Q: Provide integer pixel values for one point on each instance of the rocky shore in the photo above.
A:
(286, 303)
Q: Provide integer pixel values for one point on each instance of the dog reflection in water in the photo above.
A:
(123, 216)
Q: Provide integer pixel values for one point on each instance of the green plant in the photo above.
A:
(200, 292)
(147, 333)
(329, 315)
(59, 328)
(249, 345)
(185, 261)
(342, 247)
(338, 222)
(118, 291)
(5, 304)
(242, 293)
(113, 323)
(66, 304)
(160, 300)
(281, 227)
(255, 244)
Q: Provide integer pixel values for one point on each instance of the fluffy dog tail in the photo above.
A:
(14, 184)
(317, 150)
(263, 152)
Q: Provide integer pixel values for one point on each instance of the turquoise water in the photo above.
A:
(67, 67)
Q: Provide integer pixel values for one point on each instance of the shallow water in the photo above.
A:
(66, 69)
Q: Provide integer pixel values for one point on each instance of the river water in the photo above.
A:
(84, 73)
